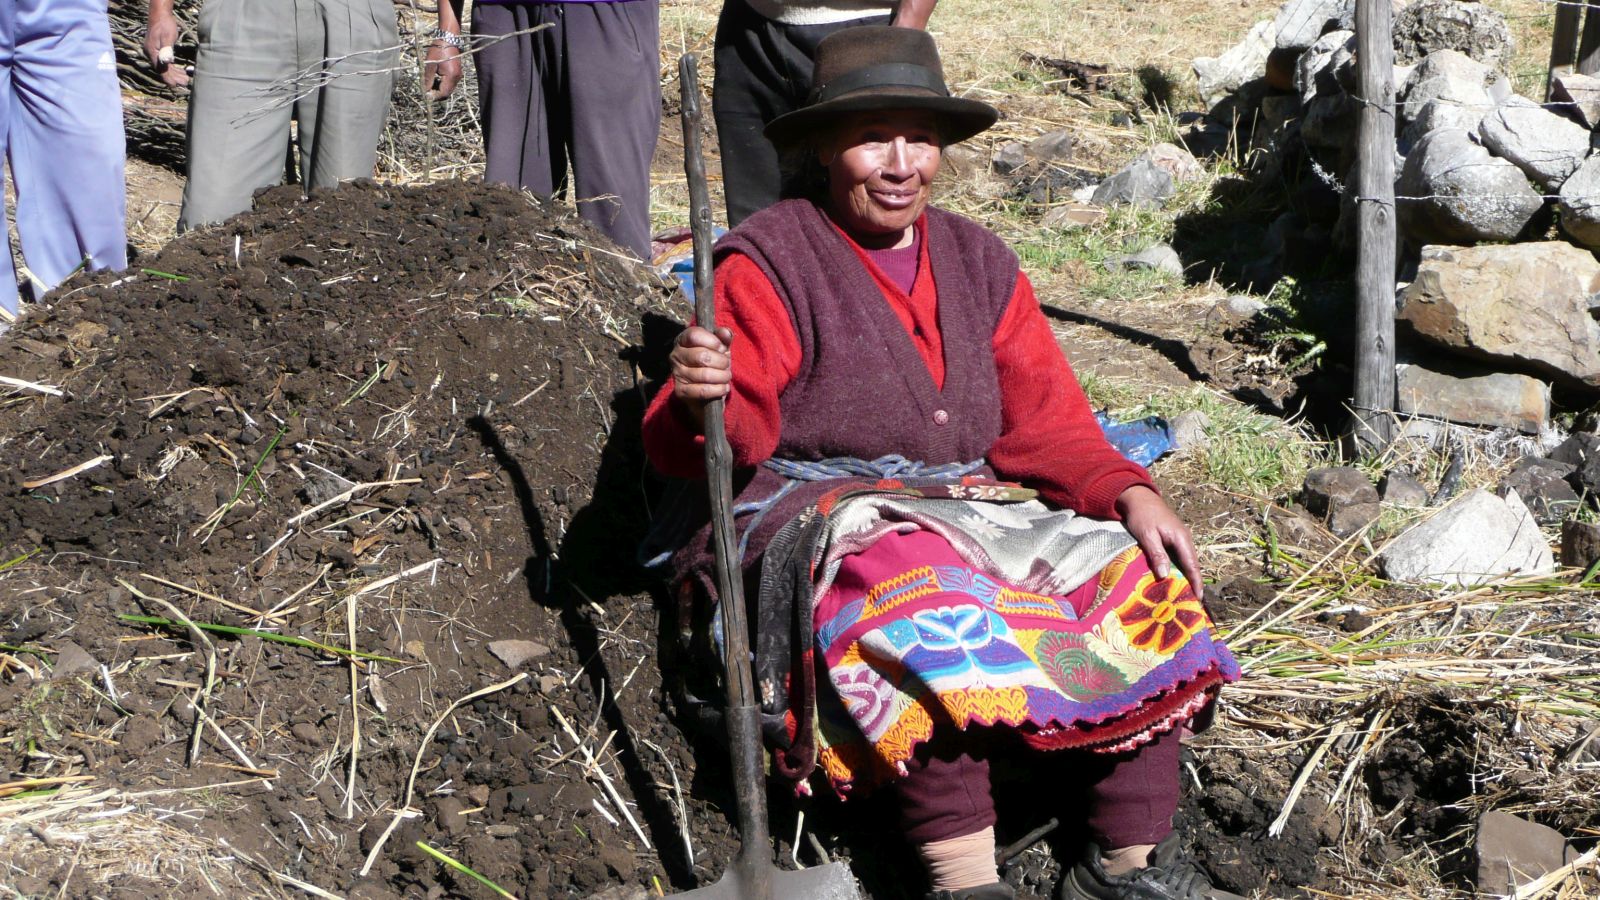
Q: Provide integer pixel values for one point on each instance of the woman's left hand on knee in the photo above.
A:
(1161, 534)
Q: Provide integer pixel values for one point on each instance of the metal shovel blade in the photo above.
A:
(830, 882)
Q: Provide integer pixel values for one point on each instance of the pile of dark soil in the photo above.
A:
(285, 412)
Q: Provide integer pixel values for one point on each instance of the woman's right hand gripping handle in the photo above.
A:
(702, 370)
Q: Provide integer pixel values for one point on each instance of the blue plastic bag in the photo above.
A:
(1143, 440)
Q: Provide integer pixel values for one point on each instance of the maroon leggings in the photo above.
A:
(1132, 796)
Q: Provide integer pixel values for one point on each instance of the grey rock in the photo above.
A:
(1492, 399)
(72, 660)
(1316, 71)
(1301, 22)
(1465, 195)
(1189, 430)
(1581, 453)
(1347, 520)
(1476, 539)
(1437, 114)
(1174, 160)
(1402, 490)
(1524, 304)
(1331, 122)
(1052, 147)
(961, 160)
(1580, 544)
(1453, 78)
(1244, 306)
(1578, 97)
(1543, 486)
(1246, 61)
(1009, 158)
(517, 653)
(1577, 449)
(1474, 29)
(1330, 487)
(1545, 146)
(1278, 110)
(1159, 258)
(1585, 476)
(1140, 183)
(1580, 203)
(1512, 851)
(1073, 215)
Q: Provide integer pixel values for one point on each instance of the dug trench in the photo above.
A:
(399, 425)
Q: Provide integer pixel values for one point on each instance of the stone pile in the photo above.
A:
(1479, 537)
(1489, 325)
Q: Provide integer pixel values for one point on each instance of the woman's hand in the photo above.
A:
(702, 370)
(1160, 532)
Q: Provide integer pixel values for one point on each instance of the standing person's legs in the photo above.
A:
(763, 71)
(65, 139)
(239, 106)
(755, 72)
(613, 86)
(8, 267)
(361, 49)
(522, 148)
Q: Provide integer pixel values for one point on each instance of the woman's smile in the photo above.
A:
(881, 168)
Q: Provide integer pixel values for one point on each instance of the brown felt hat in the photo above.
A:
(879, 67)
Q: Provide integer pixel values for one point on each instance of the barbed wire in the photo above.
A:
(309, 80)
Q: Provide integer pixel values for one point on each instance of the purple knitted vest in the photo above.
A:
(862, 389)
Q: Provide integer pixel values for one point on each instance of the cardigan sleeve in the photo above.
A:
(1049, 438)
(766, 357)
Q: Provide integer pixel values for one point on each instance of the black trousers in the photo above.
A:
(763, 71)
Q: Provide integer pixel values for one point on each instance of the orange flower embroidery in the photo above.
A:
(1161, 615)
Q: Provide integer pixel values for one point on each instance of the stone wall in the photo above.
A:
(1498, 195)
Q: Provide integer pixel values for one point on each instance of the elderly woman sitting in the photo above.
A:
(886, 365)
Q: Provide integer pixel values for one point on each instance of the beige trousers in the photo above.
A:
(326, 64)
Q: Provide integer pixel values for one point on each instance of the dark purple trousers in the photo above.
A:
(1131, 796)
(585, 90)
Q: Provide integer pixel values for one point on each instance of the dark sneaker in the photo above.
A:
(1171, 875)
(997, 891)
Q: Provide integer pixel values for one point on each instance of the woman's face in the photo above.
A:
(880, 167)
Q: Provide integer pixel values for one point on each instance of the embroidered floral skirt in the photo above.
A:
(912, 636)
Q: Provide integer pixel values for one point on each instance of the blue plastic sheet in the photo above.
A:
(674, 257)
(1143, 440)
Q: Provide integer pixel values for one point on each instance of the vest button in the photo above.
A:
(940, 417)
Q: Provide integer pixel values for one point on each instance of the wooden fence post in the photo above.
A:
(1375, 218)
(1589, 42)
(1563, 44)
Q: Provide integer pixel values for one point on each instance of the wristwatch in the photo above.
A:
(449, 39)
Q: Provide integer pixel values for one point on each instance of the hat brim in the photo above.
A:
(959, 118)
